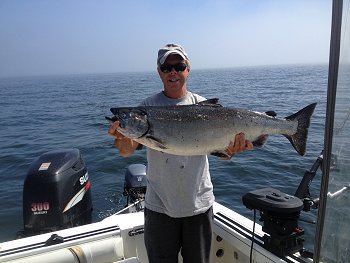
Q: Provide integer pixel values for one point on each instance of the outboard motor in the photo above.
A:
(279, 213)
(135, 184)
(56, 193)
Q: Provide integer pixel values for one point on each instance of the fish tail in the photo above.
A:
(298, 140)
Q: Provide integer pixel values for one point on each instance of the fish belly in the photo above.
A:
(209, 134)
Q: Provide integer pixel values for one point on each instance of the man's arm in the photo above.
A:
(125, 145)
(239, 144)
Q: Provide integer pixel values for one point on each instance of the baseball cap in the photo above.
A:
(170, 49)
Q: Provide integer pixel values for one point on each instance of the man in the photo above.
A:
(179, 196)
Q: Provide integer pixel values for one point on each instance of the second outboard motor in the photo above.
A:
(135, 184)
(56, 193)
(280, 214)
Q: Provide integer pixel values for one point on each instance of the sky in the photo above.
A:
(46, 37)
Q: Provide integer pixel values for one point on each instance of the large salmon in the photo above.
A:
(207, 127)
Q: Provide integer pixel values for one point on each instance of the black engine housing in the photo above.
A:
(56, 193)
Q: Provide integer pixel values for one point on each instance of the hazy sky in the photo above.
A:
(82, 36)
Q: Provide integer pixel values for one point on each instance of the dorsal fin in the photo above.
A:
(211, 102)
(271, 113)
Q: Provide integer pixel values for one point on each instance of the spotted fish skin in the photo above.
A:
(207, 127)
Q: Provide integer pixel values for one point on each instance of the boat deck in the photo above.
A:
(119, 238)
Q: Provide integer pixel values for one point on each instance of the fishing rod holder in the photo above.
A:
(303, 191)
(280, 214)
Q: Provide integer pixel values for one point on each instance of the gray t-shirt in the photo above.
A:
(178, 186)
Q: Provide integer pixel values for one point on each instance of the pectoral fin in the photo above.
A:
(154, 141)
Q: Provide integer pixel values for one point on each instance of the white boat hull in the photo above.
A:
(119, 238)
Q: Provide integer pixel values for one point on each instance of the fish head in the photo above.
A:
(133, 121)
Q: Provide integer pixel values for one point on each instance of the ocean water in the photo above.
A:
(39, 114)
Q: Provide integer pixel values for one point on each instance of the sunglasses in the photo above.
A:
(166, 68)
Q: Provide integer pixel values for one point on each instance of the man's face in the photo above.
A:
(174, 81)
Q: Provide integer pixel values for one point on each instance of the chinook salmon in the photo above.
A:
(207, 127)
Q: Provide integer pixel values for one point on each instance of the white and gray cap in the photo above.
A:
(170, 49)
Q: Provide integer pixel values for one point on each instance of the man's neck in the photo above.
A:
(176, 94)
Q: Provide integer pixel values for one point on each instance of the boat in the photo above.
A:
(277, 237)
(52, 235)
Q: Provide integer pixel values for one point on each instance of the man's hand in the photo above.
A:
(239, 144)
(125, 145)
